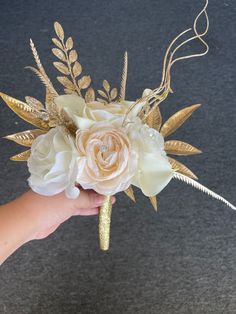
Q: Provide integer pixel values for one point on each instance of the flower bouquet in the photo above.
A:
(104, 142)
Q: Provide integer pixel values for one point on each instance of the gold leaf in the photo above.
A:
(69, 91)
(40, 71)
(102, 93)
(106, 86)
(59, 30)
(77, 69)
(130, 193)
(179, 167)
(73, 56)
(57, 43)
(61, 67)
(49, 96)
(180, 148)
(25, 138)
(90, 95)
(102, 100)
(69, 43)
(84, 82)
(23, 156)
(25, 111)
(153, 201)
(175, 121)
(68, 122)
(59, 54)
(113, 93)
(154, 119)
(53, 112)
(34, 103)
(66, 82)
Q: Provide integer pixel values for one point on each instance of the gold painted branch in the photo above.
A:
(104, 223)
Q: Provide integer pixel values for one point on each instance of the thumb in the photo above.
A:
(88, 199)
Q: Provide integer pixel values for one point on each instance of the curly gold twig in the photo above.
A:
(159, 94)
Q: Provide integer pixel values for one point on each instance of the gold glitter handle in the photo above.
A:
(104, 223)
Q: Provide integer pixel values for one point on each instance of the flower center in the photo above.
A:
(103, 148)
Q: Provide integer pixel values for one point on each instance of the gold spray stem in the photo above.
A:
(104, 223)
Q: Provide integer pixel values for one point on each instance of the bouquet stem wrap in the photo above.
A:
(104, 223)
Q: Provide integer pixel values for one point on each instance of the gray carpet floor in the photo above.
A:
(180, 260)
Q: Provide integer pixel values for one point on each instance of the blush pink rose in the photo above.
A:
(107, 163)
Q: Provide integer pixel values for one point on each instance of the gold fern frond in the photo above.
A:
(124, 78)
(42, 78)
(202, 188)
(41, 70)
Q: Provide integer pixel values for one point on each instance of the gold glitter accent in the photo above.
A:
(104, 223)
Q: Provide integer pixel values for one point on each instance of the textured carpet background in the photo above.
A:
(181, 260)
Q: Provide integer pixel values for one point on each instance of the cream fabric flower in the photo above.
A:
(53, 164)
(107, 162)
(153, 171)
(85, 115)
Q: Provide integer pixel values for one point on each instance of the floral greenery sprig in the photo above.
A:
(68, 64)
(108, 95)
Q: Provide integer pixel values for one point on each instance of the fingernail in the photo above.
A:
(99, 200)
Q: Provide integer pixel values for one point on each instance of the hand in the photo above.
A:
(56, 209)
(33, 216)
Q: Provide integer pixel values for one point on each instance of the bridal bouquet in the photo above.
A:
(104, 142)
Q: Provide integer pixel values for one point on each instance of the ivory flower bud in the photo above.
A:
(153, 171)
(85, 115)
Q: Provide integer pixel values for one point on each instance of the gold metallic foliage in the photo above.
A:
(130, 193)
(153, 200)
(68, 64)
(175, 121)
(23, 156)
(154, 119)
(180, 148)
(25, 138)
(27, 112)
(108, 95)
(124, 78)
(181, 168)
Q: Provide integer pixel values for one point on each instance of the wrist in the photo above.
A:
(16, 226)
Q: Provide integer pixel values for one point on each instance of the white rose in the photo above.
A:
(53, 164)
(154, 171)
(85, 115)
